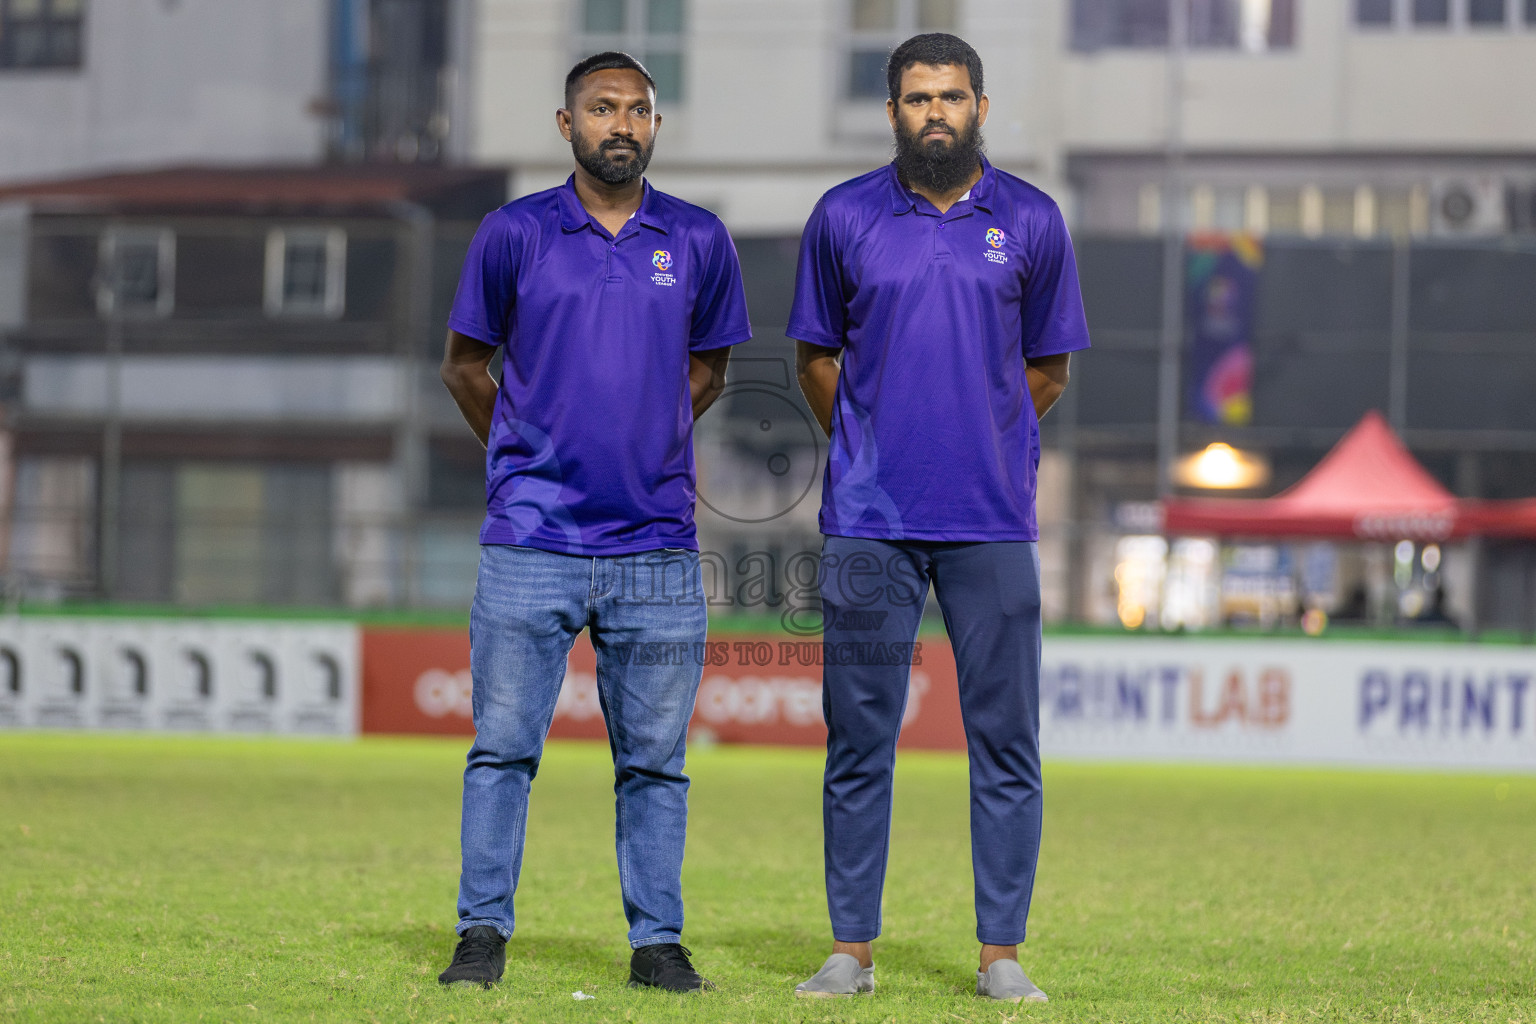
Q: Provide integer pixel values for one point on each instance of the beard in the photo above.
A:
(598, 160)
(938, 166)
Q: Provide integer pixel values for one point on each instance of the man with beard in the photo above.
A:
(613, 307)
(948, 291)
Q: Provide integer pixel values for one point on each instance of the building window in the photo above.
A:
(390, 82)
(306, 272)
(1373, 12)
(1487, 12)
(651, 30)
(876, 27)
(1444, 14)
(1431, 12)
(41, 33)
(136, 272)
(1253, 25)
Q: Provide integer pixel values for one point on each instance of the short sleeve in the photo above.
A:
(818, 313)
(720, 308)
(1053, 316)
(483, 304)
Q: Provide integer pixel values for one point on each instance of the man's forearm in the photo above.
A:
(817, 370)
(706, 378)
(703, 398)
(475, 395)
(1047, 379)
(1044, 393)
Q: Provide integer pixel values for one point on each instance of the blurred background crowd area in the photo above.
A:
(229, 235)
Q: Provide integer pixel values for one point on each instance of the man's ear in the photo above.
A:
(890, 113)
(981, 111)
(563, 122)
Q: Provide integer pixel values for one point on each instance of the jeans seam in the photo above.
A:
(505, 572)
(473, 922)
(656, 940)
(621, 826)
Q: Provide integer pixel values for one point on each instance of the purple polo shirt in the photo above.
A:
(591, 444)
(934, 435)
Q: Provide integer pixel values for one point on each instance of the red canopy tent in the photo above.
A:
(1512, 518)
(1369, 487)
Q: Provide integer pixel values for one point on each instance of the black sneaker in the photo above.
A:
(479, 958)
(665, 966)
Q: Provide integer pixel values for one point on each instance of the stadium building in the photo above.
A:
(1375, 152)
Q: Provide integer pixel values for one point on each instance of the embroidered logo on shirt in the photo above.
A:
(662, 261)
(995, 238)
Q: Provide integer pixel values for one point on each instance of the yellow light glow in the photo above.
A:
(1222, 467)
(1431, 557)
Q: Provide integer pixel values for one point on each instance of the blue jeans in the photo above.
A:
(529, 606)
(873, 590)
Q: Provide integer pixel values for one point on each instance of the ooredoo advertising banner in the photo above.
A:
(754, 689)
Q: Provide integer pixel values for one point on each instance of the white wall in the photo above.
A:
(1339, 88)
(762, 131)
(246, 388)
(216, 81)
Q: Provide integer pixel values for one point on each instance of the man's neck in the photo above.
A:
(611, 205)
(942, 201)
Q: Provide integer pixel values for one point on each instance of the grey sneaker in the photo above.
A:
(841, 975)
(1006, 982)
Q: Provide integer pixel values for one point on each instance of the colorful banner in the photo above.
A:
(1290, 701)
(1221, 298)
(1150, 698)
(1145, 698)
(755, 689)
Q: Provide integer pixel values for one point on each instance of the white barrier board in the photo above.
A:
(1289, 700)
(179, 674)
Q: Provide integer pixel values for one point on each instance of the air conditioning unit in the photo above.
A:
(1471, 205)
(1520, 207)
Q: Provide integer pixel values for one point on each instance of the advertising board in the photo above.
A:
(179, 674)
(1261, 700)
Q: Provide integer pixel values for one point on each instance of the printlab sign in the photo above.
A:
(1290, 700)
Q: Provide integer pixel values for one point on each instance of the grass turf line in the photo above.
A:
(180, 879)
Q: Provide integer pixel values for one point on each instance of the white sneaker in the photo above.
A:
(841, 975)
(1006, 982)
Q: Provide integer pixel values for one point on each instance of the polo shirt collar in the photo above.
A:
(904, 200)
(574, 216)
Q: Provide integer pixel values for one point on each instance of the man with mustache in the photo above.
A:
(936, 305)
(613, 307)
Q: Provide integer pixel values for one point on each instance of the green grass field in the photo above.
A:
(159, 879)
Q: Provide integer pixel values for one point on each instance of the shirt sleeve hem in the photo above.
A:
(811, 337)
(471, 330)
(729, 339)
(1058, 350)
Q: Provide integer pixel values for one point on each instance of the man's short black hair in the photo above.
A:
(610, 60)
(935, 49)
